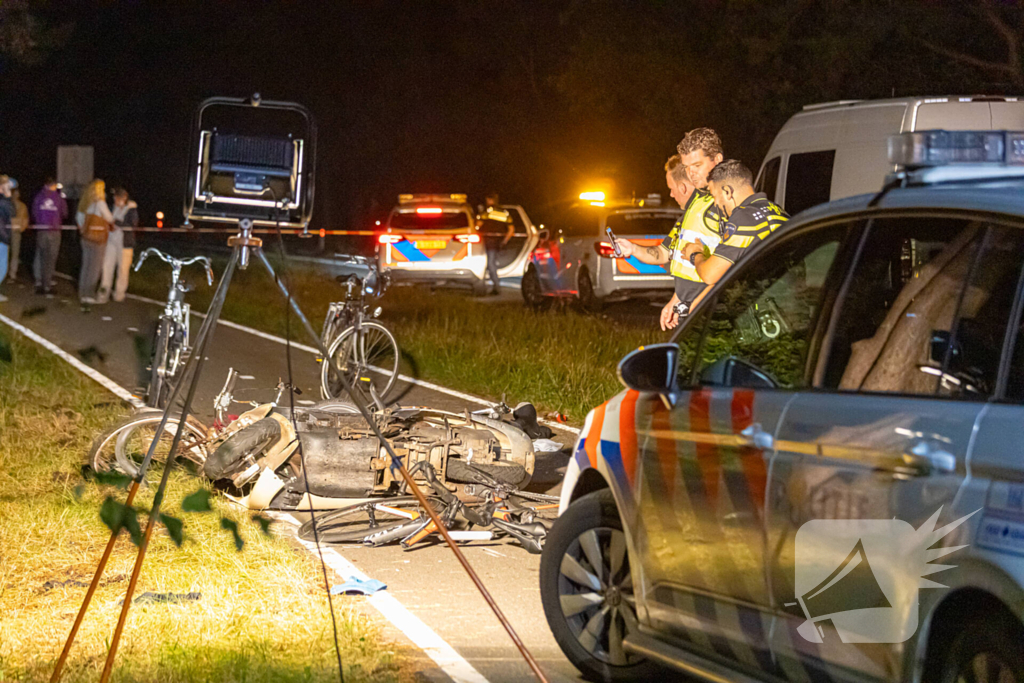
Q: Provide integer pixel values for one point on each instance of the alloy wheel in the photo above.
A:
(596, 594)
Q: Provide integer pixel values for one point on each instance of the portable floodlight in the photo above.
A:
(252, 159)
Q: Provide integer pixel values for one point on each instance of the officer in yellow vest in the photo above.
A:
(699, 151)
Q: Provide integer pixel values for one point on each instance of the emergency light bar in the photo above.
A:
(942, 147)
(592, 196)
(431, 198)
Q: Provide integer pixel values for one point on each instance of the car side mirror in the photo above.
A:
(651, 369)
(544, 234)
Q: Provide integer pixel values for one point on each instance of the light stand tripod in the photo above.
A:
(241, 244)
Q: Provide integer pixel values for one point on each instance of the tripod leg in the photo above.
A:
(212, 316)
(92, 589)
(205, 331)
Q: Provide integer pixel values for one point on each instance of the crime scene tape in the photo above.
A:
(230, 230)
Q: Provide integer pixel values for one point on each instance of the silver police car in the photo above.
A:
(822, 477)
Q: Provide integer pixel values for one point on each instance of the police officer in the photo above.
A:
(681, 190)
(495, 226)
(748, 218)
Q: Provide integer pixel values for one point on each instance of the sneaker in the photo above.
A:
(87, 300)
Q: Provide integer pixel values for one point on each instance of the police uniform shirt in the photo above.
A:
(494, 225)
(753, 220)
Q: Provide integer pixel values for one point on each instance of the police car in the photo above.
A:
(431, 238)
(574, 257)
(821, 477)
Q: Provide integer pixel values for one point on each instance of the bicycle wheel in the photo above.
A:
(159, 386)
(355, 523)
(123, 446)
(365, 357)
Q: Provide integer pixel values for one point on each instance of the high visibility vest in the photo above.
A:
(699, 224)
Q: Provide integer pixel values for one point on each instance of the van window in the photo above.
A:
(768, 181)
(808, 180)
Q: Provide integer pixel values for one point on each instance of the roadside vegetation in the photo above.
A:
(560, 360)
(259, 614)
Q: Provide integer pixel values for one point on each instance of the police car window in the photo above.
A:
(926, 309)
(427, 221)
(640, 223)
(808, 180)
(761, 321)
(579, 221)
(768, 181)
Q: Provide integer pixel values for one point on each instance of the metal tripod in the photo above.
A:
(242, 245)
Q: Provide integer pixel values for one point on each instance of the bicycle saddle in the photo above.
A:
(524, 416)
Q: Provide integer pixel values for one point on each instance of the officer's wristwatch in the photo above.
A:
(693, 257)
(681, 309)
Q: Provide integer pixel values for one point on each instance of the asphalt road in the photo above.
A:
(427, 580)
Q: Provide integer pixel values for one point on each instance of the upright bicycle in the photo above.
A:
(359, 348)
(171, 343)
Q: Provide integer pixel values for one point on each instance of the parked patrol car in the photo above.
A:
(822, 477)
(432, 239)
(574, 257)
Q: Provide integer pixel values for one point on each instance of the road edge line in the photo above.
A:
(93, 374)
(435, 647)
(454, 665)
(405, 378)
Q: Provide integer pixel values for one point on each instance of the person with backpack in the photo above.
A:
(94, 222)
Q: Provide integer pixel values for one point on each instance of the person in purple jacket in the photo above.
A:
(49, 210)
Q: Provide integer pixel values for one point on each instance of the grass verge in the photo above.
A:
(560, 360)
(262, 615)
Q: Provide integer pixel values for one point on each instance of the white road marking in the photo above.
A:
(248, 377)
(443, 654)
(89, 372)
(106, 318)
(405, 378)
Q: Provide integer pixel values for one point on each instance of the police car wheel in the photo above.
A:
(987, 650)
(587, 591)
(530, 288)
(587, 296)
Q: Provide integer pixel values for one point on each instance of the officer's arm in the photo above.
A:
(508, 234)
(656, 255)
(712, 269)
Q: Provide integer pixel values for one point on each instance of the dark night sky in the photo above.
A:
(532, 99)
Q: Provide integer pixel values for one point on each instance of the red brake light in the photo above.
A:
(389, 239)
(604, 249)
(429, 210)
(468, 239)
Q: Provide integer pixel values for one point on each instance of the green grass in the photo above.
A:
(560, 360)
(263, 614)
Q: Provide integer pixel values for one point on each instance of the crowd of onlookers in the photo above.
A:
(106, 236)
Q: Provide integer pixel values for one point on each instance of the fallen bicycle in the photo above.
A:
(473, 464)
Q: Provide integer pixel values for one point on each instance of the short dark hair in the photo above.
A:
(50, 180)
(120, 192)
(493, 196)
(704, 139)
(731, 171)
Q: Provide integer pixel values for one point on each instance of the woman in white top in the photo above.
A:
(92, 203)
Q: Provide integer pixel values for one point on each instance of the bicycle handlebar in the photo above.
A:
(175, 263)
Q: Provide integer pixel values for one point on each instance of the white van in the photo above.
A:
(838, 149)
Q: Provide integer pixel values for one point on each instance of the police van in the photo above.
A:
(838, 149)
(821, 477)
(574, 257)
(432, 239)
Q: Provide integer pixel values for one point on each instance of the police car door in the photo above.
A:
(512, 258)
(705, 462)
(866, 468)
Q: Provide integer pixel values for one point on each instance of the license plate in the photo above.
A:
(431, 244)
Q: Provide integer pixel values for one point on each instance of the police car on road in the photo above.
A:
(574, 257)
(821, 478)
(431, 238)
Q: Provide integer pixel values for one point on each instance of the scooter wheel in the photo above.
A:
(230, 455)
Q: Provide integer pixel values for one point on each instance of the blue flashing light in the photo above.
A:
(942, 147)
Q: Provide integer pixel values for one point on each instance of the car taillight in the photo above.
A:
(604, 249)
(389, 239)
(468, 239)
